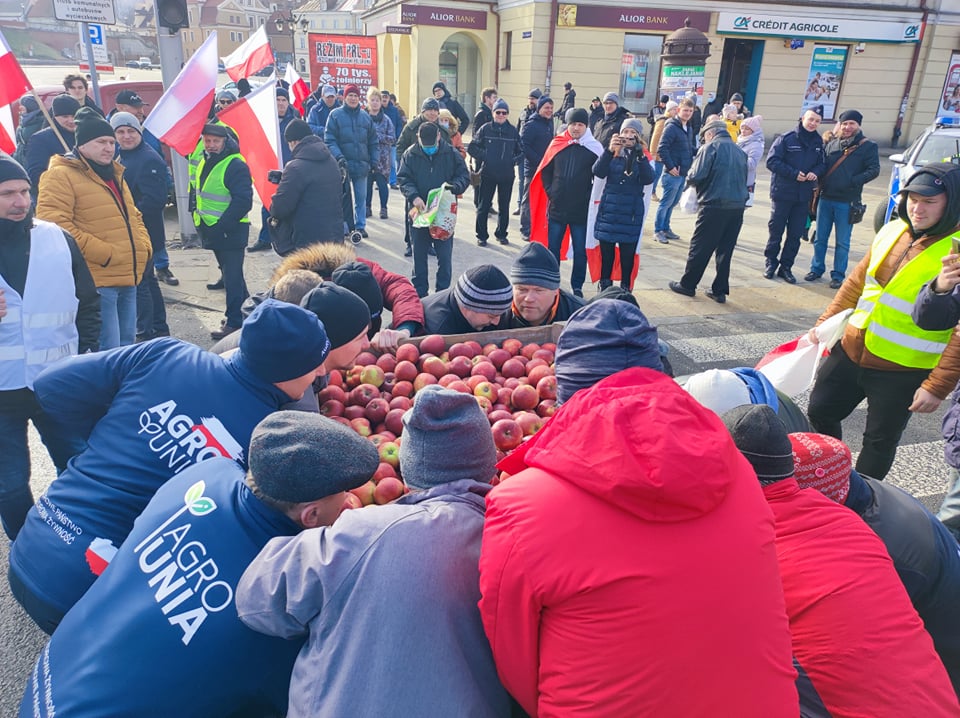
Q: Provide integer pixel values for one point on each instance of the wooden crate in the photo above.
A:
(537, 335)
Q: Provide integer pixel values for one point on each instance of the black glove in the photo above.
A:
(450, 188)
(274, 176)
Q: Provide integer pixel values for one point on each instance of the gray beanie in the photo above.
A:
(536, 265)
(634, 124)
(762, 439)
(612, 97)
(501, 104)
(10, 169)
(446, 437)
(125, 119)
(484, 289)
(297, 456)
(430, 104)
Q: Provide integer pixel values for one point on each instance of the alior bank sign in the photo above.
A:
(812, 26)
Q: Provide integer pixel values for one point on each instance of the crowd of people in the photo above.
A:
(199, 504)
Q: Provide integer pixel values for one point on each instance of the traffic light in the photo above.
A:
(172, 14)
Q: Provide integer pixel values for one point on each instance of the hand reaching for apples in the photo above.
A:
(389, 339)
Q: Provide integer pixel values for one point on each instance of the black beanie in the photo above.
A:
(576, 114)
(851, 115)
(536, 265)
(762, 439)
(65, 105)
(283, 92)
(296, 131)
(297, 456)
(10, 169)
(281, 341)
(484, 289)
(428, 134)
(90, 126)
(345, 316)
(358, 278)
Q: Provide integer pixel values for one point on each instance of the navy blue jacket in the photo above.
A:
(317, 117)
(496, 148)
(146, 412)
(456, 109)
(535, 136)
(790, 154)
(284, 121)
(676, 146)
(146, 174)
(620, 214)
(150, 638)
(861, 166)
(391, 111)
(42, 146)
(350, 134)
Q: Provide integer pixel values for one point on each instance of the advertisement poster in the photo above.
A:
(677, 81)
(824, 79)
(341, 60)
(633, 72)
(950, 102)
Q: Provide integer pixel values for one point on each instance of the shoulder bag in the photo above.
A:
(815, 199)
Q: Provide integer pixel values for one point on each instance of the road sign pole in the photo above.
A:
(88, 43)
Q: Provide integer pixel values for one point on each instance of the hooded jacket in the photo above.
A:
(845, 183)
(719, 174)
(308, 198)
(791, 153)
(318, 115)
(456, 109)
(350, 134)
(598, 559)
(109, 230)
(30, 124)
(752, 145)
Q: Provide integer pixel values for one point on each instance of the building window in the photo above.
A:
(190, 14)
(323, 24)
(507, 50)
(303, 43)
(640, 72)
(239, 37)
(336, 24)
(191, 36)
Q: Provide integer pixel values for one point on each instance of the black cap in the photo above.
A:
(129, 97)
(576, 114)
(359, 279)
(211, 128)
(924, 184)
(345, 315)
(296, 131)
(90, 126)
(10, 169)
(762, 439)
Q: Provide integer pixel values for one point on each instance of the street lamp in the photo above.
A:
(293, 22)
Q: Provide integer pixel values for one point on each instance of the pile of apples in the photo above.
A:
(513, 383)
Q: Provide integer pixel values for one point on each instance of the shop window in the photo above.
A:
(507, 50)
(639, 72)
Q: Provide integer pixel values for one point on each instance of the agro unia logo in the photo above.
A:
(180, 441)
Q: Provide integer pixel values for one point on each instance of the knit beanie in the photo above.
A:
(281, 341)
(718, 390)
(125, 119)
(851, 115)
(600, 339)
(298, 456)
(438, 86)
(543, 100)
(226, 95)
(446, 437)
(729, 112)
(345, 316)
(428, 133)
(736, 97)
(296, 131)
(501, 104)
(484, 289)
(10, 169)
(762, 439)
(358, 278)
(65, 105)
(664, 99)
(430, 104)
(576, 114)
(823, 463)
(351, 88)
(612, 97)
(634, 124)
(753, 123)
(671, 106)
(536, 265)
(90, 126)
(284, 92)
(29, 103)
(535, 93)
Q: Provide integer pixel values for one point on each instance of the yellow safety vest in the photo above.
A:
(886, 312)
(213, 197)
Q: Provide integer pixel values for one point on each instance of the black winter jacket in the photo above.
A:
(145, 173)
(496, 148)
(719, 174)
(419, 173)
(442, 315)
(608, 125)
(861, 166)
(535, 137)
(676, 146)
(42, 146)
(620, 215)
(456, 109)
(308, 203)
(483, 116)
(567, 180)
(567, 304)
(408, 137)
(790, 154)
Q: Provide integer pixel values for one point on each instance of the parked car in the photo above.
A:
(939, 143)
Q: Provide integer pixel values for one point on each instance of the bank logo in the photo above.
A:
(742, 22)
(911, 31)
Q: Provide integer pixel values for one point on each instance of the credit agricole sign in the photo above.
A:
(814, 26)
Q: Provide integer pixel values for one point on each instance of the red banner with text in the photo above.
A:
(342, 60)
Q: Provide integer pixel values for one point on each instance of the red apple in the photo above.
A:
(533, 363)
(498, 356)
(342, 420)
(511, 383)
(529, 349)
(365, 359)
(336, 379)
(408, 352)
(487, 348)
(460, 349)
(507, 434)
(546, 408)
(390, 453)
(524, 397)
(394, 420)
(361, 426)
(405, 370)
(537, 373)
(331, 408)
(474, 346)
(435, 366)
(503, 395)
(373, 375)
(389, 381)
(529, 422)
(501, 407)
(363, 394)
(486, 390)
(403, 388)
(512, 368)
(499, 414)
(388, 489)
(376, 410)
(365, 492)
(387, 362)
(423, 379)
(383, 471)
(484, 369)
(549, 346)
(461, 366)
(401, 402)
(354, 411)
(512, 345)
(332, 392)
(544, 354)
(447, 379)
(547, 387)
(377, 440)
(433, 344)
(460, 386)
(484, 403)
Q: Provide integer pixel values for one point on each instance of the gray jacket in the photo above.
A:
(389, 592)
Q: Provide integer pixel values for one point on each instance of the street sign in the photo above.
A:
(98, 40)
(98, 11)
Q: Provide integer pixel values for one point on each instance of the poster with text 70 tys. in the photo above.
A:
(342, 60)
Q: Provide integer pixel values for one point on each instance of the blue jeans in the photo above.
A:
(151, 311)
(949, 513)
(657, 174)
(832, 214)
(578, 237)
(360, 201)
(264, 236)
(118, 316)
(383, 189)
(672, 189)
(393, 165)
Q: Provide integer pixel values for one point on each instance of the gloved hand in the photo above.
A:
(274, 176)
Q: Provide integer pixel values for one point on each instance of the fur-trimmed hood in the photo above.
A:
(321, 258)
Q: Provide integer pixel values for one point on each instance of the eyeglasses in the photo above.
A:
(501, 112)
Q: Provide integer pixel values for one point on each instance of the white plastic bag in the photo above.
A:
(792, 366)
(688, 200)
(440, 214)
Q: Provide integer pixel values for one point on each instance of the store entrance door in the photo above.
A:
(740, 70)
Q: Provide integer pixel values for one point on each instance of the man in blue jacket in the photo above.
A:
(536, 133)
(351, 137)
(676, 156)
(45, 143)
(158, 634)
(796, 161)
(496, 149)
(317, 117)
(147, 412)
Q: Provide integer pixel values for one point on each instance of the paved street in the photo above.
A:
(759, 315)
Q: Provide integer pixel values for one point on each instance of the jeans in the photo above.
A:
(264, 236)
(832, 214)
(231, 266)
(789, 216)
(716, 233)
(503, 188)
(360, 201)
(382, 187)
(672, 189)
(118, 316)
(421, 243)
(525, 206)
(393, 164)
(657, 174)
(15, 495)
(578, 237)
(949, 513)
(520, 184)
(151, 312)
(161, 260)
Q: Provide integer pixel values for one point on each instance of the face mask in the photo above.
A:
(445, 124)
(430, 151)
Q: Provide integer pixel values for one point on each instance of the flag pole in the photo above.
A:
(53, 125)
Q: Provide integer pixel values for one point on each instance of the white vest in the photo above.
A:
(40, 327)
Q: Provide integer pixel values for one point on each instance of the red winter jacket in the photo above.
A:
(631, 569)
(855, 632)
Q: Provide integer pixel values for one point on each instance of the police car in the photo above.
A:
(939, 143)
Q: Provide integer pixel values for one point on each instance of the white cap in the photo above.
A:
(718, 389)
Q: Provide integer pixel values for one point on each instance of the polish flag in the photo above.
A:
(13, 85)
(298, 88)
(255, 120)
(251, 57)
(99, 554)
(180, 114)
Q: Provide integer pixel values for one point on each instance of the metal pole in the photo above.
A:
(88, 43)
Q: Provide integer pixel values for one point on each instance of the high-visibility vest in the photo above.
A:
(213, 197)
(886, 312)
(39, 327)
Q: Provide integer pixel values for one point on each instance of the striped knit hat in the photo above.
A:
(536, 265)
(822, 463)
(484, 289)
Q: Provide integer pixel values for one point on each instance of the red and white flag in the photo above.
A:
(179, 115)
(255, 120)
(13, 85)
(251, 57)
(298, 88)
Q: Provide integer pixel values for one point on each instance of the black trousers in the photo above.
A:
(608, 255)
(525, 206)
(716, 232)
(231, 265)
(841, 385)
(503, 188)
(791, 216)
(444, 249)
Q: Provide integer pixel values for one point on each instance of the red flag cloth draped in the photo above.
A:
(254, 118)
(13, 85)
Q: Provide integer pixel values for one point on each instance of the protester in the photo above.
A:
(656, 111)
(796, 162)
(696, 119)
(536, 133)
(676, 155)
(670, 111)
(899, 366)
(537, 297)
(42, 275)
(77, 87)
(442, 95)
(475, 303)
(313, 173)
(714, 105)
(721, 390)
(380, 165)
(421, 552)
(84, 193)
(719, 174)
(496, 149)
(351, 137)
(488, 98)
(522, 177)
(751, 142)
(845, 623)
(613, 117)
(58, 139)
(31, 121)
(320, 112)
(569, 98)
(448, 122)
(301, 466)
(391, 111)
(736, 99)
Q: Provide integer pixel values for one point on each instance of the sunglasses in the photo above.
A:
(501, 112)
(226, 102)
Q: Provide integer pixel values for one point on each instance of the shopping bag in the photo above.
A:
(792, 366)
(688, 200)
(440, 214)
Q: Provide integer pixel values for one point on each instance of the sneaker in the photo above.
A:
(408, 252)
(811, 277)
(718, 298)
(363, 233)
(836, 283)
(503, 240)
(516, 212)
(383, 213)
(680, 289)
(258, 247)
(216, 285)
(166, 276)
(224, 330)
(661, 237)
(493, 212)
(394, 186)
(787, 276)
(668, 233)
(481, 242)
(525, 237)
